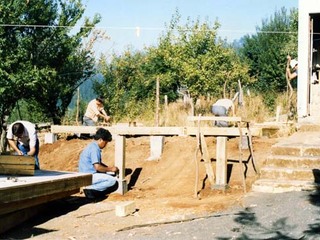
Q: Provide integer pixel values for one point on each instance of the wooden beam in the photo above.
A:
(222, 131)
(19, 213)
(17, 165)
(214, 118)
(120, 130)
(221, 165)
(207, 160)
(120, 160)
(42, 183)
(156, 131)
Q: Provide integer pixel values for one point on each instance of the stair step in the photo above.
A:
(293, 161)
(289, 173)
(290, 149)
(279, 186)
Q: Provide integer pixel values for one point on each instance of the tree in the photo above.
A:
(267, 50)
(191, 56)
(42, 59)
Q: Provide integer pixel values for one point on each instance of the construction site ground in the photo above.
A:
(163, 191)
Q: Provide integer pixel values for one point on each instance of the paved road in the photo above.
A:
(293, 215)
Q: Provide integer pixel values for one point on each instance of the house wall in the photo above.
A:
(306, 108)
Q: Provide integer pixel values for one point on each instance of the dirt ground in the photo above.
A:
(163, 191)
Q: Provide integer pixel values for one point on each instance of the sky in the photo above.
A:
(122, 18)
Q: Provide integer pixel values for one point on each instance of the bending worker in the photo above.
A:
(221, 108)
(22, 138)
(94, 111)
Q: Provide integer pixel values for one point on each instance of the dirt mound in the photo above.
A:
(166, 186)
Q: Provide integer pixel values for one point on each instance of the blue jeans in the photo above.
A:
(88, 121)
(220, 111)
(102, 182)
(26, 149)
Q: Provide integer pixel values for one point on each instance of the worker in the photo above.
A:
(293, 72)
(104, 178)
(95, 111)
(23, 139)
(221, 108)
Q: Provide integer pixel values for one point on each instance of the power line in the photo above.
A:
(141, 28)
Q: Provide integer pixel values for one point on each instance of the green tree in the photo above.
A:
(42, 58)
(266, 52)
(191, 56)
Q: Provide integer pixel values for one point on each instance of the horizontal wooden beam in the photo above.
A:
(42, 183)
(215, 118)
(160, 131)
(16, 213)
(17, 165)
(222, 131)
(119, 130)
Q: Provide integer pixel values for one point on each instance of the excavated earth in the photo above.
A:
(162, 190)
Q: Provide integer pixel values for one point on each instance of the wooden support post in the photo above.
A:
(120, 159)
(207, 160)
(221, 165)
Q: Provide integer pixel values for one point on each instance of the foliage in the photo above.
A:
(266, 52)
(42, 59)
(189, 56)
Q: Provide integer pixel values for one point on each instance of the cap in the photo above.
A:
(293, 63)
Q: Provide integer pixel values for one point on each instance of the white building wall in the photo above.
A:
(303, 108)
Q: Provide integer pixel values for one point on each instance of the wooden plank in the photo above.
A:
(16, 159)
(222, 131)
(73, 129)
(149, 131)
(34, 201)
(16, 171)
(42, 183)
(160, 131)
(221, 165)
(120, 130)
(19, 213)
(215, 118)
(207, 160)
(17, 165)
(120, 160)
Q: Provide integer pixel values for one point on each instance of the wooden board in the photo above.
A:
(26, 191)
(17, 165)
(157, 131)
(12, 219)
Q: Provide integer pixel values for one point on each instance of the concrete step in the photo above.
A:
(305, 174)
(279, 186)
(311, 162)
(295, 149)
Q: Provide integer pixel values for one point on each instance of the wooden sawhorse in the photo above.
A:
(222, 134)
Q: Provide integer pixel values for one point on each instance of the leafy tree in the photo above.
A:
(42, 59)
(190, 55)
(267, 50)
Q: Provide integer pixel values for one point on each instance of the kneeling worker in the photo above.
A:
(90, 162)
(221, 108)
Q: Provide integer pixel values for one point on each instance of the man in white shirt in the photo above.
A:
(22, 138)
(221, 108)
(94, 111)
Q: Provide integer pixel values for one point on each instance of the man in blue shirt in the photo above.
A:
(90, 162)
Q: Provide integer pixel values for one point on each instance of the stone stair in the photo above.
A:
(293, 165)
